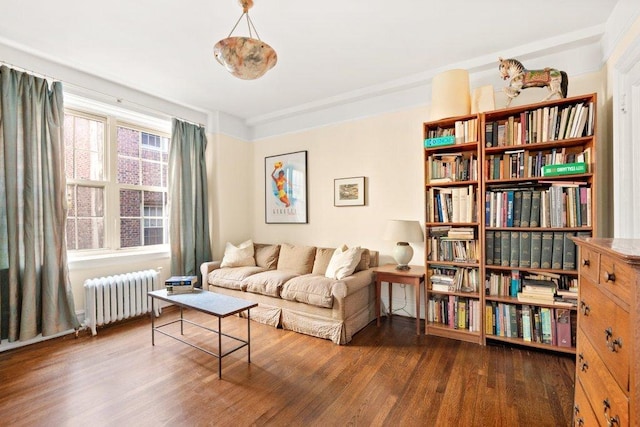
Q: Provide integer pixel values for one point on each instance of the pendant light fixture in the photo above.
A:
(247, 58)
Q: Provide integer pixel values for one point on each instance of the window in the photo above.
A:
(117, 191)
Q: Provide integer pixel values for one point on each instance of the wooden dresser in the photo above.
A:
(608, 336)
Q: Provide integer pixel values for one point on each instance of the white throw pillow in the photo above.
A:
(343, 262)
(240, 256)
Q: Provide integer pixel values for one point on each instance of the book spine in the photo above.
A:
(558, 247)
(536, 249)
(525, 249)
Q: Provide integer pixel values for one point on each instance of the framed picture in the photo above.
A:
(348, 191)
(285, 181)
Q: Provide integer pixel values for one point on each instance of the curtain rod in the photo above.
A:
(118, 100)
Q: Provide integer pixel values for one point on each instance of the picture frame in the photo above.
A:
(349, 191)
(285, 183)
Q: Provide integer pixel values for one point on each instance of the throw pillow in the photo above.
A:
(343, 262)
(238, 256)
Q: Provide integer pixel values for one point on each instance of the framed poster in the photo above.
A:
(285, 179)
(348, 191)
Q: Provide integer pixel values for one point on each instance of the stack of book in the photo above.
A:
(537, 292)
(180, 284)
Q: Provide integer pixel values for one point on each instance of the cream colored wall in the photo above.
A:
(384, 149)
(231, 180)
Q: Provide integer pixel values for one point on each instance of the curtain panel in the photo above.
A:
(35, 289)
(188, 201)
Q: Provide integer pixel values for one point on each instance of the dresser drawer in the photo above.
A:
(618, 278)
(607, 399)
(588, 263)
(583, 415)
(606, 325)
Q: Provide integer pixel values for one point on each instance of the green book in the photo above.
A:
(505, 248)
(515, 248)
(534, 219)
(525, 213)
(545, 321)
(564, 169)
(536, 249)
(558, 247)
(488, 246)
(547, 249)
(525, 249)
(497, 248)
(440, 141)
(526, 323)
(568, 252)
(517, 207)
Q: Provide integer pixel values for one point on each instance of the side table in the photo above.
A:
(388, 273)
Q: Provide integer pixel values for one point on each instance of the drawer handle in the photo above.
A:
(586, 262)
(611, 421)
(612, 344)
(609, 277)
(583, 365)
(584, 308)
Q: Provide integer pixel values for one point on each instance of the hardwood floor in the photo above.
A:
(385, 376)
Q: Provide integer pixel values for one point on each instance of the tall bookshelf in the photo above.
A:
(454, 250)
(534, 189)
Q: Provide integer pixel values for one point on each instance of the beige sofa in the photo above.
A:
(288, 282)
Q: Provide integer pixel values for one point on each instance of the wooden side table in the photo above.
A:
(388, 273)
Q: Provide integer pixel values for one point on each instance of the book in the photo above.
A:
(568, 252)
(181, 280)
(525, 249)
(526, 323)
(536, 249)
(545, 321)
(515, 248)
(488, 242)
(547, 249)
(439, 141)
(517, 208)
(564, 169)
(497, 248)
(525, 213)
(558, 247)
(534, 216)
(506, 248)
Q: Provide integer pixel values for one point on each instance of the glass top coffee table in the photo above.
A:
(207, 302)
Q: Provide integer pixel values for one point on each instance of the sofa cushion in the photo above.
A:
(232, 278)
(238, 256)
(268, 282)
(343, 262)
(298, 259)
(309, 289)
(266, 255)
(365, 260)
(320, 263)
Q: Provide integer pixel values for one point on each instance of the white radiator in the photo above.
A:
(113, 298)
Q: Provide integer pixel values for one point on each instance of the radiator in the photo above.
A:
(113, 298)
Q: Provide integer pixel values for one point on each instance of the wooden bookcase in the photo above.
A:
(522, 222)
(454, 249)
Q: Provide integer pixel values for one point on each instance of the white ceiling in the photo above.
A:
(326, 49)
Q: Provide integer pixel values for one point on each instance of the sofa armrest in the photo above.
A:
(352, 283)
(208, 267)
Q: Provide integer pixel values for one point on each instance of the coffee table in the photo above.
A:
(206, 302)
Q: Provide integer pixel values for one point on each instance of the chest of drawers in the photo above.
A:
(608, 336)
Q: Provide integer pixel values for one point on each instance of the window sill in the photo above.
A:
(111, 258)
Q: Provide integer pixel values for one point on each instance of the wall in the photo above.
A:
(387, 150)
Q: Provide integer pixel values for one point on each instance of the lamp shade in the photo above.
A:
(450, 94)
(403, 231)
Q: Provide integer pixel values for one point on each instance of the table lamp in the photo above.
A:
(403, 232)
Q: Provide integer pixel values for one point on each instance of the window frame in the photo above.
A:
(110, 186)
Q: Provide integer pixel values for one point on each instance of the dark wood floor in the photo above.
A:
(385, 376)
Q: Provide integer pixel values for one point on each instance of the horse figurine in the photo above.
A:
(521, 78)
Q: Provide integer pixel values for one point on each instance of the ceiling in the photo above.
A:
(326, 49)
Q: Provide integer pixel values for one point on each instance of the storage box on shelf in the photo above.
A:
(453, 281)
(537, 193)
(502, 205)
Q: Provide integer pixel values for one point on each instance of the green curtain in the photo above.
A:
(34, 279)
(188, 214)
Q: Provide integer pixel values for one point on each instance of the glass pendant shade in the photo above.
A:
(247, 58)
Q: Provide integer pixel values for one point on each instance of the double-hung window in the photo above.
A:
(116, 183)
